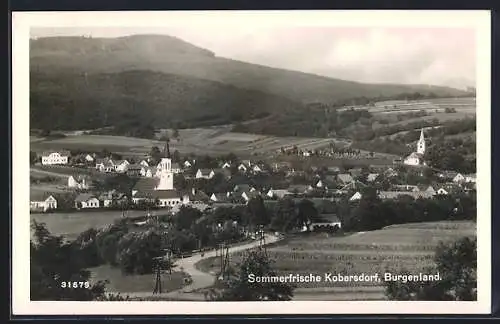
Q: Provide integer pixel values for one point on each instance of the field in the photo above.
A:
(120, 283)
(211, 141)
(398, 248)
(72, 224)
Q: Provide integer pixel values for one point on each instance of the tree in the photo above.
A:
(55, 264)
(257, 212)
(456, 263)
(306, 212)
(285, 217)
(240, 288)
(136, 251)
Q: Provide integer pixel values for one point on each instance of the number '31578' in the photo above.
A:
(75, 284)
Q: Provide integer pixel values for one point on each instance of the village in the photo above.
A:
(162, 182)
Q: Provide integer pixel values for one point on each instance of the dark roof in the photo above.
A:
(144, 184)
(36, 195)
(326, 218)
(198, 196)
(242, 188)
(84, 197)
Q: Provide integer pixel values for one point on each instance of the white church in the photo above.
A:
(160, 187)
(417, 158)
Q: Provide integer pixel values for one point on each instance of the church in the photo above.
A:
(417, 158)
(159, 188)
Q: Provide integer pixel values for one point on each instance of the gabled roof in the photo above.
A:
(204, 172)
(36, 195)
(145, 184)
(84, 197)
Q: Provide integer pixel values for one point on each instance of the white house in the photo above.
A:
(277, 193)
(86, 201)
(355, 197)
(372, 177)
(442, 191)
(121, 166)
(78, 182)
(226, 165)
(256, 168)
(187, 164)
(242, 167)
(146, 172)
(144, 163)
(55, 158)
(42, 202)
(459, 178)
(105, 165)
(205, 174)
(319, 184)
(89, 158)
(326, 221)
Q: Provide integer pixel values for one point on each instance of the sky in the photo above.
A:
(437, 56)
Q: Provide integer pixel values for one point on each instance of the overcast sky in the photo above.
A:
(389, 55)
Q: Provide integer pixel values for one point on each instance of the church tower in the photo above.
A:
(421, 143)
(166, 175)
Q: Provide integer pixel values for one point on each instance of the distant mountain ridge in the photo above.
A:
(171, 55)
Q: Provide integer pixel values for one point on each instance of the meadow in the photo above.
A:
(398, 248)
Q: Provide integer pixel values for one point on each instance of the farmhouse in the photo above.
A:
(344, 178)
(86, 200)
(277, 193)
(326, 222)
(79, 182)
(55, 158)
(417, 158)
(105, 165)
(204, 174)
(42, 202)
(397, 194)
(121, 166)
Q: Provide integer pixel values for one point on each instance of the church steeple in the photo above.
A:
(421, 143)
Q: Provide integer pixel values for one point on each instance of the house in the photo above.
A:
(205, 174)
(355, 172)
(198, 196)
(447, 175)
(188, 164)
(328, 222)
(248, 163)
(121, 166)
(344, 178)
(78, 182)
(333, 169)
(442, 191)
(353, 185)
(406, 187)
(372, 177)
(256, 169)
(249, 195)
(242, 167)
(319, 184)
(144, 163)
(113, 197)
(221, 197)
(134, 170)
(459, 178)
(86, 200)
(298, 189)
(431, 190)
(89, 158)
(42, 202)
(147, 172)
(226, 165)
(55, 158)
(105, 165)
(470, 178)
(176, 168)
(240, 188)
(397, 194)
(355, 197)
(277, 193)
(390, 172)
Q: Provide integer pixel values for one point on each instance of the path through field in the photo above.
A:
(200, 279)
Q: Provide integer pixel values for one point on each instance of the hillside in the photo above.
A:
(173, 56)
(141, 100)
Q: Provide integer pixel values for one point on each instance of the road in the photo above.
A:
(200, 279)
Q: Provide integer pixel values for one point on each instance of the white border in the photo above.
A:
(23, 21)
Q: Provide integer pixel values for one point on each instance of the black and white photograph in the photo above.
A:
(327, 158)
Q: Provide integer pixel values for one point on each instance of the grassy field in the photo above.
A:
(72, 224)
(211, 141)
(396, 248)
(120, 283)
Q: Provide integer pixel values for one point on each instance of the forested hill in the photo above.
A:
(171, 55)
(142, 99)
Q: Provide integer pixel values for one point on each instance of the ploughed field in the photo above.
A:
(399, 249)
